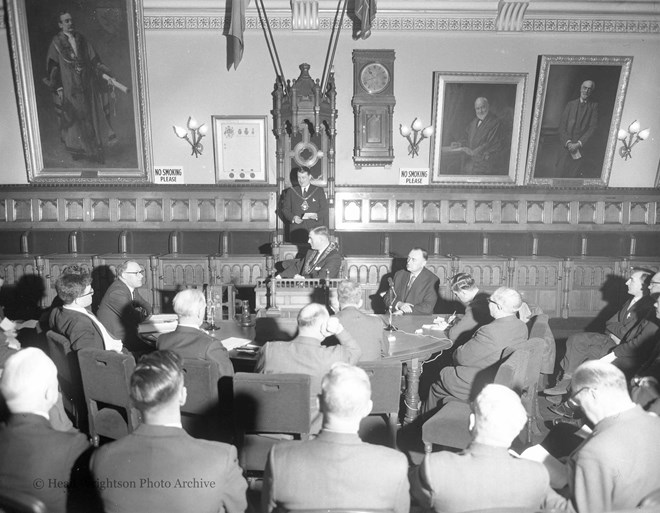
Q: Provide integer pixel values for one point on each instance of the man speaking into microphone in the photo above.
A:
(415, 288)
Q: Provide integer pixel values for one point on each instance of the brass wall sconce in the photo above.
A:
(416, 139)
(193, 134)
(631, 137)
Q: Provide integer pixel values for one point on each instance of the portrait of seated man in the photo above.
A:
(321, 261)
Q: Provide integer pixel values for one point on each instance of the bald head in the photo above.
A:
(504, 301)
(498, 416)
(29, 382)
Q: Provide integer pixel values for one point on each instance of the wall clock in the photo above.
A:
(373, 107)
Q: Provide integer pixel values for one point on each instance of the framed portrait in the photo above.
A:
(80, 76)
(239, 145)
(577, 111)
(477, 119)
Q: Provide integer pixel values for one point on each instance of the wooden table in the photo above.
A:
(408, 348)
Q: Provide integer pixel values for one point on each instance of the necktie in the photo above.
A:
(304, 191)
(409, 286)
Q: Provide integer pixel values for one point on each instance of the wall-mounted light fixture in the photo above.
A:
(415, 140)
(631, 137)
(193, 135)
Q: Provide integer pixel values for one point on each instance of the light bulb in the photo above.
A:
(192, 123)
(203, 130)
(634, 127)
(622, 134)
(180, 132)
(417, 125)
(428, 131)
(405, 131)
(644, 133)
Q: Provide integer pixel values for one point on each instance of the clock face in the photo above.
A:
(374, 77)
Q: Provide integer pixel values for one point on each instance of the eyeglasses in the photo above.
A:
(654, 283)
(494, 302)
(572, 402)
(86, 294)
(135, 272)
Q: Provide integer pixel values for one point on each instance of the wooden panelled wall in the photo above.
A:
(563, 285)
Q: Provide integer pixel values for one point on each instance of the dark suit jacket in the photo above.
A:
(291, 206)
(194, 343)
(480, 477)
(77, 327)
(367, 331)
(477, 314)
(637, 346)
(203, 476)
(574, 128)
(335, 470)
(327, 266)
(483, 350)
(485, 141)
(628, 318)
(423, 294)
(121, 314)
(31, 450)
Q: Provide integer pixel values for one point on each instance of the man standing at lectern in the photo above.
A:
(415, 288)
(303, 207)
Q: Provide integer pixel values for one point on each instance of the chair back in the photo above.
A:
(68, 376)
(539, 327)
(14, 501)
(201, 379)
(521, 369)
(106, 379)
(272, 403)
(385, 378)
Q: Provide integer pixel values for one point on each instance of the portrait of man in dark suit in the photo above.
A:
(577, 111)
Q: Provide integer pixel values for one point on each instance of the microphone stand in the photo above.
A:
(390, 326)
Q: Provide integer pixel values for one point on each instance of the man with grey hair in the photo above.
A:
(485, 475)
(159, 467)
(123, 308)
(367, 330)
(619, 464)
(337, 470)
(188, 339)
(482, 142)
(481, 352)
(35, 458)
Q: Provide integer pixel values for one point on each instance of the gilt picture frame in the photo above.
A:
(573, 137)
(466, 148)
(80, 78)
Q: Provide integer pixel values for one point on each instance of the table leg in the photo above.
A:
(411, 397)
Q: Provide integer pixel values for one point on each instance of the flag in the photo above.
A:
(235, 33)
(365, 11)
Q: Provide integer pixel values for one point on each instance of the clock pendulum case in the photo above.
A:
(373, 107)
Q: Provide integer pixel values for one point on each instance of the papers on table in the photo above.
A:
(158, 323)
(557, 470)
(234, 342)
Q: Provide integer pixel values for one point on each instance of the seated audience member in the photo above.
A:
(57, 300)
(645, 386)
(619, 463)
(74, 321)
(337, 469)
(476, 314)
(482, 351)
(367, 330)
(188, 340)
(305, 354)
(321, 261)
(31, 451)
(625, 336)
(122, 308)
(194, 474)
(485, 475)
(415, 288)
